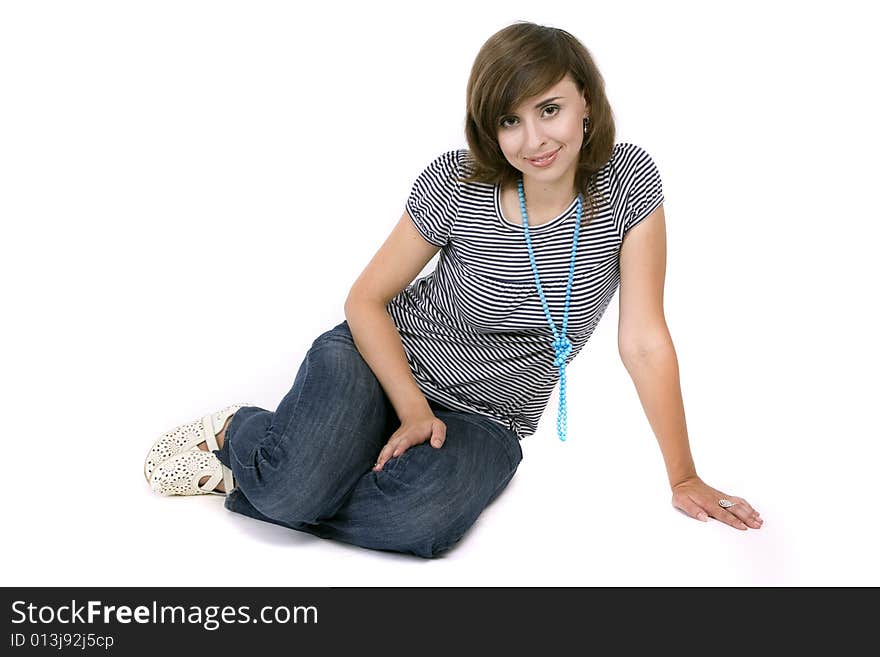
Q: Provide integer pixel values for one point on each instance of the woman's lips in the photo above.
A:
(547, 161)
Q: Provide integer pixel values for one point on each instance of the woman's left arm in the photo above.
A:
(648, 354)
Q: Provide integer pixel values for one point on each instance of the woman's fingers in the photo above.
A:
(394, 448)
(724, 515)
(438, 433)
(393, 445)
(699, 500)
(741, 515)
(410, 435)
(691, 508)
(744, 511)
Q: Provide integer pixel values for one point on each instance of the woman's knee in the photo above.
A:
(335, 357)
(339, 337)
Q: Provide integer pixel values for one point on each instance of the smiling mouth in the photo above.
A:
(544, 158)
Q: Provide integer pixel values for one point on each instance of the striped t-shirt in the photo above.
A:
(474, 329)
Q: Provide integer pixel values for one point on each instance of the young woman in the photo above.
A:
(404, 421)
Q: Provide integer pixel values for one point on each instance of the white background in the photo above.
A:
(189, 189)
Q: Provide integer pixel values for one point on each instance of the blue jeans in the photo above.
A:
(308, 465)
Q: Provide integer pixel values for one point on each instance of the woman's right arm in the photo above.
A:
(400, 259)
(378, 341)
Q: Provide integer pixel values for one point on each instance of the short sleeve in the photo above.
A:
(433, 199)
(645, 190)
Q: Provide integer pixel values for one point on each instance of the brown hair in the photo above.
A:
(521, 61)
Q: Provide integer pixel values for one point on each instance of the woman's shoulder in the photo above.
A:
(627, 152)
(452, 164)
(448, 162)
(467, 164)
(628, 160)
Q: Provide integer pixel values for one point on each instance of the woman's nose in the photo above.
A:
(534, 136)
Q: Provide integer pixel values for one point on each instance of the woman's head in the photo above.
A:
(517, 68)
(551, 122)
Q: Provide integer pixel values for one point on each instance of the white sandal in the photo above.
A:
(180, 474)
(187, 436)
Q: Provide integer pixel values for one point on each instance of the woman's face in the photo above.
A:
(551, 121)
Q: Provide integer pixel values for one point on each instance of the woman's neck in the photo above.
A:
(543, 203)
(548, 196)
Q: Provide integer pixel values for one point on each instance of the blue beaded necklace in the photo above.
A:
(561, 344)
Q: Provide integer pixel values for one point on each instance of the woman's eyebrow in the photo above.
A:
(549, 100)
(546, 101)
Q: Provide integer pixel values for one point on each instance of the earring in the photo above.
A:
(586, 127)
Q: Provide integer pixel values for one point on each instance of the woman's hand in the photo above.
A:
(412, 431)
(699, 500)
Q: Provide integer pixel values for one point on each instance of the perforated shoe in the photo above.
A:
(186, 436)
(180, 474)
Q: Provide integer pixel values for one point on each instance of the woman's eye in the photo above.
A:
(511, 118)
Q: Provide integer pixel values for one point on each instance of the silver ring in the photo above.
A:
(726, 503)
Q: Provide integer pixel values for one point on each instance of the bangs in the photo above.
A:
(525, 83)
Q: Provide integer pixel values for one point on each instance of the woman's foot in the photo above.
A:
(204, 447)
